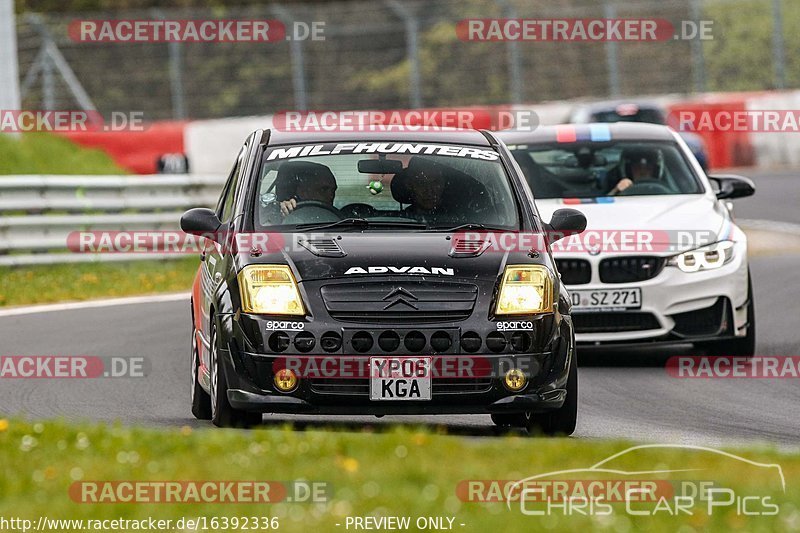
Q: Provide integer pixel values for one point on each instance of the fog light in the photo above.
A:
(515, 380)
(286, 380)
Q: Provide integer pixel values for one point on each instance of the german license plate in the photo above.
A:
(606, 300)
(400, 378)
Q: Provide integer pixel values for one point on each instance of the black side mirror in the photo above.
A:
(565, 222)
(201, 221)
(732, 186)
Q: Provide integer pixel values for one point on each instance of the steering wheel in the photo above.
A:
(358, 210)
(646, 187)
(327, 209)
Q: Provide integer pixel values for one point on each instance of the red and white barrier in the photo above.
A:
(211, 145)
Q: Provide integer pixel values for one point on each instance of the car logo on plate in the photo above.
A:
(594, 250)
(399, 296)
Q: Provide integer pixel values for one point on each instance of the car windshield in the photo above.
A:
(634, 114)
(590, 170)
(410, 186)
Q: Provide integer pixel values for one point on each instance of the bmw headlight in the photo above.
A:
(706, 257)
(269, 290)
(525, 290)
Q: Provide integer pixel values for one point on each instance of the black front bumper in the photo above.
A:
(250, 362)
(280, 403)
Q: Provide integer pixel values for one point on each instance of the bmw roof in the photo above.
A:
(628, 131)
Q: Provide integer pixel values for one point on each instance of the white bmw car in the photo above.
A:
(661, 260)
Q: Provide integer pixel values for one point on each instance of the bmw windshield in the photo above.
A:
(406, 186)
(599, 169)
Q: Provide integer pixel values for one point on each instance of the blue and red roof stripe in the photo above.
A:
(598, 200)
(570, 133)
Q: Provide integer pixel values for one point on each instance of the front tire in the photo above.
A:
(561, 421)
(222, 413)
(201, 401)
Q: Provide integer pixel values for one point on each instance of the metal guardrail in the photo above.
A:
(38, 213)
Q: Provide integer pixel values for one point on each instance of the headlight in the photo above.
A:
(704, 258)
(269, 290)
(525, 290)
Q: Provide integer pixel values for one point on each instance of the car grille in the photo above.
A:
(630, 269)
(399, 302)
(460, 385)
(613, 322)
(340, 386)
(360, 386)
(574, 271)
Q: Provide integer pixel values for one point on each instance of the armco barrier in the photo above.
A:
(37, 213)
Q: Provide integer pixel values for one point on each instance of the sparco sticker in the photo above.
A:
(507, 326)
(288, 326)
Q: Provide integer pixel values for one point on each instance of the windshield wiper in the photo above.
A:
(362, 223)
(468, 226)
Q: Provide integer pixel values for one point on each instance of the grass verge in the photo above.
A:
(85, 281)
(45, 153)
(402, 471)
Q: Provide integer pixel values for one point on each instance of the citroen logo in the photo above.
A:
(399, 296)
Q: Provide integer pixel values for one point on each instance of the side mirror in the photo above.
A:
(201, 221)
(732, 186)
(565, 222)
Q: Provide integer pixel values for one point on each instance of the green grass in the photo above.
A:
(401, 471)
(47, 284)
(45, 153)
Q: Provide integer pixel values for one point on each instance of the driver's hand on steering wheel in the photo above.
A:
(623, 184)
(287, 206)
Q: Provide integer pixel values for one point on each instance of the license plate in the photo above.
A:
(606, 300)
(400, 378)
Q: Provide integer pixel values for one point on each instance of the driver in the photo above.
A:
(426, 187)
(310, 182)
(638, 164)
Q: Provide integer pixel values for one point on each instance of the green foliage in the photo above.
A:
(401, 471)
(86, 281)
(45, 153)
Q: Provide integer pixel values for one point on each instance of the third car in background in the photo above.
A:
(662, 260)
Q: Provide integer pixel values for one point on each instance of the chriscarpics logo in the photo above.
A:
(645, 480)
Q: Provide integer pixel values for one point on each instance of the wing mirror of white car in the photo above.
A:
(565, 222)
(731, 186)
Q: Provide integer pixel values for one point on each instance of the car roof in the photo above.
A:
(443, 135)
(611, 105)
(616, 131)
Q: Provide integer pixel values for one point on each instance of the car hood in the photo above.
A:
(370, 255)
(669, 217)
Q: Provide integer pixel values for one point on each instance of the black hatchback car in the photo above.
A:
(380, 273)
